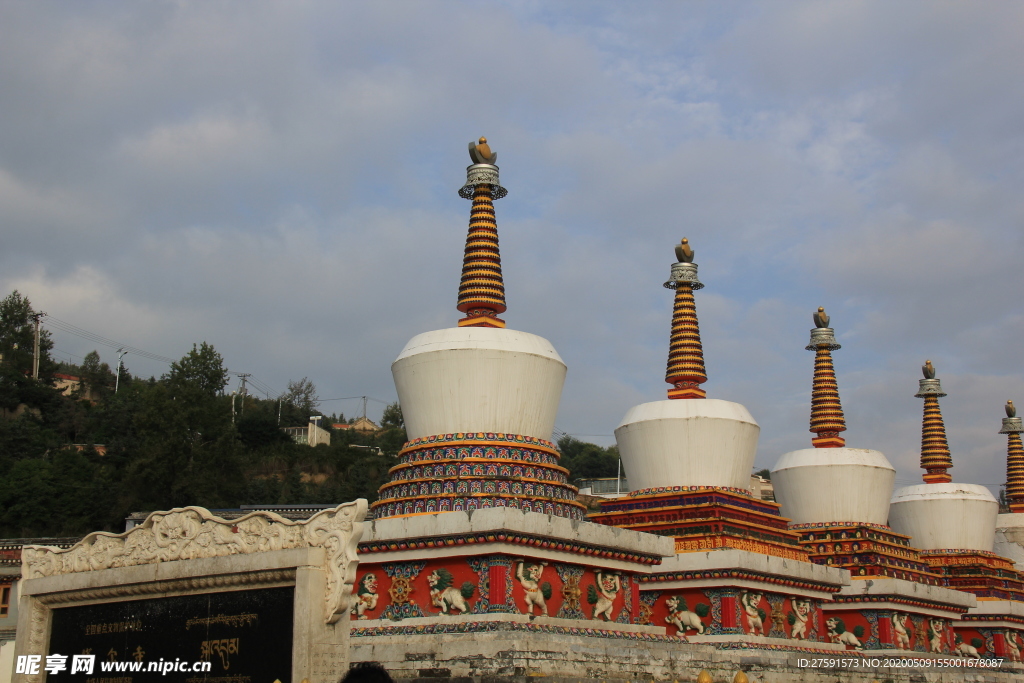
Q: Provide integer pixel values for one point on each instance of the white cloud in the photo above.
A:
(279, 180)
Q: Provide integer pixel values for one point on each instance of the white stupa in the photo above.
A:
(940, 514)
(479, 396)
(831, 483)
(687, 440)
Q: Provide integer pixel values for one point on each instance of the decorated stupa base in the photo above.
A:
(702, 518)
(475, 471)
(732, 597)
(866, 551)
(998, 625)
(982, 573)
(465, 572)
(891, 616)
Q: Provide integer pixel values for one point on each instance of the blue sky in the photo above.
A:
(279, 179)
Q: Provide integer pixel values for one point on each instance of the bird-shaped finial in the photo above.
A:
(684, 254)
(821, 319)
(928, 369)
(1011, 410)
(480, 152)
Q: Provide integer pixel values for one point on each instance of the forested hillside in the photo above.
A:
(173, 441)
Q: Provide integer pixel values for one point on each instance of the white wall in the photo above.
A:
(478, 379)
(945, 516)
(816, 485)
(688, 442)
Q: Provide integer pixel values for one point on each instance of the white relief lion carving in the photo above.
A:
(680, 615)
(837, 633)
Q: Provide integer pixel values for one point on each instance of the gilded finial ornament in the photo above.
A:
(827, 419)
(684, 253)
(482, 288)
(480, 152)
(740, 677)
(928, 369)
(821, 319)
(1013, 427)
(935, 456)
(685, 371)
(704, 677)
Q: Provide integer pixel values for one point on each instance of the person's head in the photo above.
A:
(367, 672)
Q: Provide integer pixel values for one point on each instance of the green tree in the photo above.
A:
(17, 340)
(302, 396)
(97, 378)
(587, 460)
(202, 369)
(392, 416)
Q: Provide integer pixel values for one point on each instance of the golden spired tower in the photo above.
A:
(479, 399)
(482, 290)
(685, 370)
(827, 418)
(935, 457)
(1012, 427)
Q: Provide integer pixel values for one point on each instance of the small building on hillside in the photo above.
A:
(71, 385)
(360, 424)
(363, 424)
(761, 488)
(310, 435)
(604, 487)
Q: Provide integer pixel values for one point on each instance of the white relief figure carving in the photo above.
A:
(798, 618)
(444, 595)
(1012, 650)
(529, 575)
(753, 614)
(366, 596)
(193, 532)
(837, 633)
(899, 628)
(602, 597)
(935, 627)
(684, 620)
(962, 649)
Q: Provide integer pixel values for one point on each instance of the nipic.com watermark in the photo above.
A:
(86, 664)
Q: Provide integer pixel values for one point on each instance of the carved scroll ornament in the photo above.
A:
(193, 532)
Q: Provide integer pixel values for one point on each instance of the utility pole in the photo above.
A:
(280, 401)
(364, 407)
(36, 317)
(243, 391)
(233, 407)
(117, 377)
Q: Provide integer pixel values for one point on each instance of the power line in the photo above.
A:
(64, 326)
(71, 328)
(350, 398)
(262, 386)
(67, 353)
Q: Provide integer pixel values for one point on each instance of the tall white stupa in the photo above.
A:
(482, 396)
(940, 514)
(830, 482)
(688, 439)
